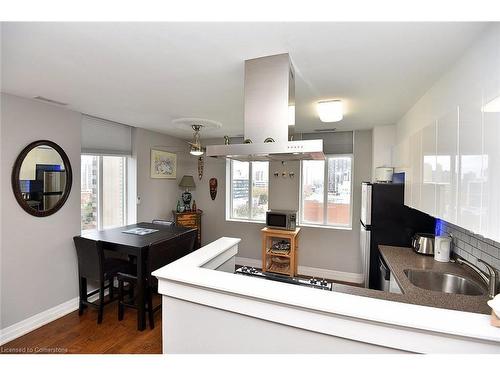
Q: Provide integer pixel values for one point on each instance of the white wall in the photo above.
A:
(39, 267)
(158, 197)
(38, 258)
(332, 249)
(383, 143)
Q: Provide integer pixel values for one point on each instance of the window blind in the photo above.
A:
(104, 137)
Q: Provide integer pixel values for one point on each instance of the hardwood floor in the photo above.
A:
(82, 334)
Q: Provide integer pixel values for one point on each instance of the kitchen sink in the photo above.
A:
(444, 282)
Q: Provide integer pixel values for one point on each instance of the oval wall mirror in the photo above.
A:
(41, 178)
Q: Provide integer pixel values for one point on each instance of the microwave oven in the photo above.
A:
(281, 219)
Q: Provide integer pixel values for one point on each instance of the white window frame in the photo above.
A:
(229, 195)
(100, 168)
(325, 196)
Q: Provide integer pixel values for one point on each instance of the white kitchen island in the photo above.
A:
(209, 309)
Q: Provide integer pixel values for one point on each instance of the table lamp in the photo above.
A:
(187, 182)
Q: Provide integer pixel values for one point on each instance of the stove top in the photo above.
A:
(303, 281)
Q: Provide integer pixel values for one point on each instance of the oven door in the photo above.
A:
(276, 220)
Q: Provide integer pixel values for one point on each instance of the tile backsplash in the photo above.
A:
(472, 246)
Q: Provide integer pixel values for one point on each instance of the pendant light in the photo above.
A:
(196, 148)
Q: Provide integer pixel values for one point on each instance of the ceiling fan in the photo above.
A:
(196, 148)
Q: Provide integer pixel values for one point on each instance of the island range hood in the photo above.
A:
(269, 91)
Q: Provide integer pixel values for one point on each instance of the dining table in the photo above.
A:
(137, 245)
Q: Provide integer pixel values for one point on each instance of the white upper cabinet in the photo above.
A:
(428, 162)
(454, 161)
(402, 163)
(490, 208)
(447, 166)
(470, 168)
(415, 169)
(490, 212)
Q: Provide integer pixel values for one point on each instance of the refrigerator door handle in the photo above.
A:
(366, 203)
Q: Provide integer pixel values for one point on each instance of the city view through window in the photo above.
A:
(337, 192)
(249, 189)
(103, 192)
(250, 184)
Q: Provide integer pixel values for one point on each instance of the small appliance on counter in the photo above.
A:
(423, 243)
(442, 248)
(281, 219)
(384, 174)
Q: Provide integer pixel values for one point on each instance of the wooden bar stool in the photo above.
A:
(159, 255)
(94, 266)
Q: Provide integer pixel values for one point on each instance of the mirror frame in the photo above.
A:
(15, 178)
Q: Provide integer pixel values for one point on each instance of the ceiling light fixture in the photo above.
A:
(196, 151)
(196, 148)
(492, 106)
(330, 110)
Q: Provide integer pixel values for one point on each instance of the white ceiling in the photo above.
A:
(146, 74)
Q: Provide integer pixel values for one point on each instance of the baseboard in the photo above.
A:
(36, 321)
(311, 271)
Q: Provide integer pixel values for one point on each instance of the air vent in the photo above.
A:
(331, 130)
(47, 100)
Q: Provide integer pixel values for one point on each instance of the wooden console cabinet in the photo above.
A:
(279, 260)
(190, 219)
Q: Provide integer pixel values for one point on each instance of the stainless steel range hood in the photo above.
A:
(269, 91)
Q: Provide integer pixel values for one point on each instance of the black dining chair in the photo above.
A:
(94, 266)
(159, 255)
(164, 222)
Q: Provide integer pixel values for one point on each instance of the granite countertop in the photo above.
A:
(400, 258)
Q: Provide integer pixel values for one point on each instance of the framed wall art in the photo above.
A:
(163, 164)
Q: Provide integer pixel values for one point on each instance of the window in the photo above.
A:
(336, 171)
(103, 191)
(248, 190)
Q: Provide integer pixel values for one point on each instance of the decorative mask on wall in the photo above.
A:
(213, 187)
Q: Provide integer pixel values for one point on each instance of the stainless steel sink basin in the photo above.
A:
(444, 282)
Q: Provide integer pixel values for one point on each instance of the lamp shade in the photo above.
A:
(187, 182)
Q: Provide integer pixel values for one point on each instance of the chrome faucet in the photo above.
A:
(491, 279)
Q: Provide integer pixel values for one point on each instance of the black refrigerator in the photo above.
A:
(385, 220)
